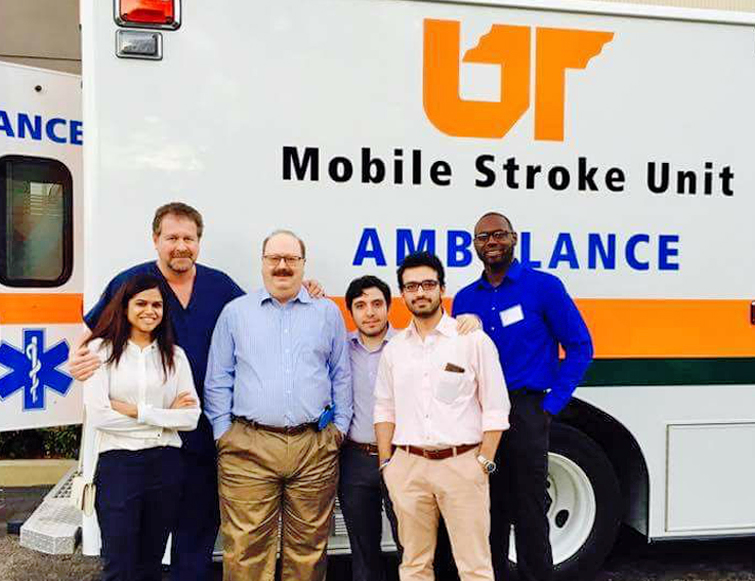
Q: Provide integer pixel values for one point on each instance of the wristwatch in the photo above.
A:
(488, 465)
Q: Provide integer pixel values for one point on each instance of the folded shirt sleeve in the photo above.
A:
(184, 419)
(491, 385)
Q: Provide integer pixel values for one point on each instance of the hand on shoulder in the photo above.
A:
(84, 361)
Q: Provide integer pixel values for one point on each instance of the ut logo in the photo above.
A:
(509, 47)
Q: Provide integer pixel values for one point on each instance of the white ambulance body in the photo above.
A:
(41, 265)
(617, 138)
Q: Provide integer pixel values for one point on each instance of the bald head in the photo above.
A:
(289, 233)
(496, 214)
(495, 241)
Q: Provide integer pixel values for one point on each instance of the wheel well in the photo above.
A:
(622, 451)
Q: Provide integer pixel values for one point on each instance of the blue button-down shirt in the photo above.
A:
(192, 326)
(528, 315)
(364, 366)
(278, 364)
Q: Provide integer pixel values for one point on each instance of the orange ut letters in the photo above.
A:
(509, 47)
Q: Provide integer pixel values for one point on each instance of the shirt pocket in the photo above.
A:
(451, 387)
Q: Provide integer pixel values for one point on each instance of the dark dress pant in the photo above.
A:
(195, 533)
(362, 494)
(518, 493)
(137, 503)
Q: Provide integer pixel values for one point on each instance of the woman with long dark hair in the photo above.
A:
(137, 401)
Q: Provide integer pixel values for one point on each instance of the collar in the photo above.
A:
(302, 296)
(157, 272)
(131, 345)
(514, 273)
(356, 339)
(446, 326)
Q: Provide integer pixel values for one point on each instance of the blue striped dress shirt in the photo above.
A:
(278, 364)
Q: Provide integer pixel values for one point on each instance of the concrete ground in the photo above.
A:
(632, 559)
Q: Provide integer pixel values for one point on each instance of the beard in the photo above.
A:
(500, 262)
(368, 333)
(425, 311)
(177, 266)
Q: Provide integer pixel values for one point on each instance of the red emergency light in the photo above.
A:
(157, 13)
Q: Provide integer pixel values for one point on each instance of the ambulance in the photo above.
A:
(616, 137)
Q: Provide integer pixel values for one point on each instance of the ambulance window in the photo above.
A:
(36, 226)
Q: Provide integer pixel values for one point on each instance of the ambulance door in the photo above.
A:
(40, 268)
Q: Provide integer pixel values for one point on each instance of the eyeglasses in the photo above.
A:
(498, 236)
(427, 285)
(274, 259)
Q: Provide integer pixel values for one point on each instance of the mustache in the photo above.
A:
(185, 254)
(283, 272)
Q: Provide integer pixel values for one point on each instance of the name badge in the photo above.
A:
(512, 315)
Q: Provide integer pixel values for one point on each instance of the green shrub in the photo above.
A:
(60, 442)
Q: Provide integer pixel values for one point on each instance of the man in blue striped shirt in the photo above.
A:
(278, 370)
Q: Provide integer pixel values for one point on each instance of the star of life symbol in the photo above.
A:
(33, 369)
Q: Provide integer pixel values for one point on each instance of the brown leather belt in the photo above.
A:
(439, 454)
(370, 449)
(289, 430)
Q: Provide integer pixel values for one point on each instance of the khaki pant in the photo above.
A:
(264, 477)
(457, 488)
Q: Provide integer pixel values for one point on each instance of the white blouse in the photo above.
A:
(138, 379)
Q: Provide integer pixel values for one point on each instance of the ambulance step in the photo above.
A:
(54, 527)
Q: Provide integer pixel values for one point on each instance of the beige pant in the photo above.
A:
(457, 488)
(264, 477)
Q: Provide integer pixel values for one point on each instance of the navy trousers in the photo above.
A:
(198, 521)
(361, 494)
(137, 505)
(518, 493)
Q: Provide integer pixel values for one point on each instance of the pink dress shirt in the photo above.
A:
(444, 391)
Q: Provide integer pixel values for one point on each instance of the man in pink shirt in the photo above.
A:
(441, 404)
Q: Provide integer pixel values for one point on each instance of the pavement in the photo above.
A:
(19, 503)
(633, 558)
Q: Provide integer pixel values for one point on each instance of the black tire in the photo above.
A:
(584, 564)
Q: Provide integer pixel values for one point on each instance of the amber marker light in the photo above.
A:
(157, 13)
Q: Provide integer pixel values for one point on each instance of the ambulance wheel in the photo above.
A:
(585, 508)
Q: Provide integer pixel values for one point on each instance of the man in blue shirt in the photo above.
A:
(278, 373)
(528, 314)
